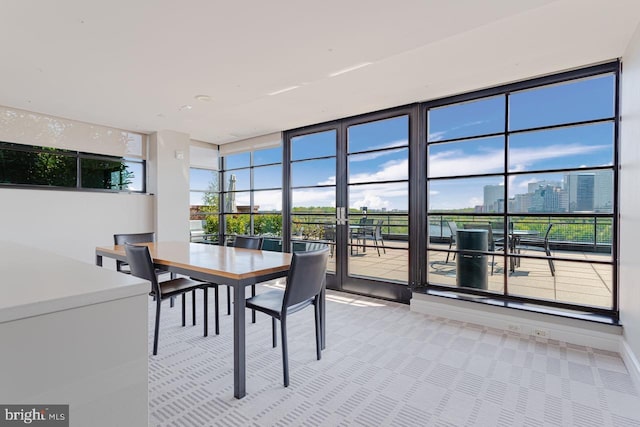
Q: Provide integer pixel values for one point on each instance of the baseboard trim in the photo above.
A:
(574, 331)
(631, 361)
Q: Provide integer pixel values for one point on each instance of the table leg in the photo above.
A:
(99, 260)
(239, 350)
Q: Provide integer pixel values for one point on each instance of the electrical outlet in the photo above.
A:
(542, 333)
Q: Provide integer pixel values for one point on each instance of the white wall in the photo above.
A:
(171, 184)
(71, 223)
(629, 200)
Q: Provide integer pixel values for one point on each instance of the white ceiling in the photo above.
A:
(132, 64)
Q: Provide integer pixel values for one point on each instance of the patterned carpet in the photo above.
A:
(383, 366)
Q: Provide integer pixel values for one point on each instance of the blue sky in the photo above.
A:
(572, 147)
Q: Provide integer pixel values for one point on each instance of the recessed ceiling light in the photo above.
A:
(185, 107)
(287, 89)
(347, 70)
(205, 98)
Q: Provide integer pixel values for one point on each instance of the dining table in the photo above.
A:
(236, 267)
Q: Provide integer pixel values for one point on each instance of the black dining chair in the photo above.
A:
(141, 264)
(123, 267)
(123, 238)
(304, 284)
(245, 242)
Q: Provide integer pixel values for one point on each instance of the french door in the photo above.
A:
(348, 187)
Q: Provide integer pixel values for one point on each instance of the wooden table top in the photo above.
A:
(234, 263)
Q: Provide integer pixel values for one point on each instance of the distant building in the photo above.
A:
(493, 198)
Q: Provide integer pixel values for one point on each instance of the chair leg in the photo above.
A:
(157, 331)
(253, 312)
(316, 310)
(205, 307)
(493, 261)
(216, 314)
(285, 357)
(193, 307)
(273, 332)
(384, 251)
(184, 319)
(171, 301)
(377, 247)
(449, 253)
(551, 266)
(228, 300)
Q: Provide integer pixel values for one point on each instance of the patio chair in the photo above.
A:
(538, 243)
(452, 239)
(141, 264)
(370, 230)
(304, 285)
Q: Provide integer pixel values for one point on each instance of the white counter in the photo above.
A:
(73, 333)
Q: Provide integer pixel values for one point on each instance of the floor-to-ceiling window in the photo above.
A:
(251, 191)
(531, 169)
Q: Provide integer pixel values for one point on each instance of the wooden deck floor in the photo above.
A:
(574, 282)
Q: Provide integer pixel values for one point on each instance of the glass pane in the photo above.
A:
(240, 160)
(237, 180)
(569, 237)
(267, 177)
(270, 155)
(575, 101)
(481, 117)
(314, 200)
(313, 145)
(203, 180)
(378, 198)
(237, 224)
(313, 172)
(573, 282)
(196, 198)
(106, 174)
(390, 265)
(135, 176)
(18, 167)
(572, 147)
(477, 156)
(385, 165)
(267, 225)
(467, 194)
(237, 202)
(465, 272)
(267, 201)
(578, 191)
(380, 134)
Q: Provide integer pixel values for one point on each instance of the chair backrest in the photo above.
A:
(247, 242)
(329, 233)
(306, 277)
(378, 229)
(453, 227)
(139, 260)
(272, 244)
(121, 239)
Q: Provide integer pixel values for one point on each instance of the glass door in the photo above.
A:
(377, 187)
(312, 181)
(349, 189)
